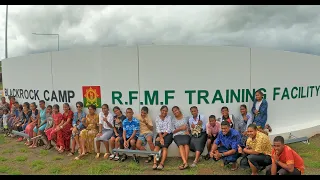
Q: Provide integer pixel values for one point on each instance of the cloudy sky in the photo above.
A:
(292, 28)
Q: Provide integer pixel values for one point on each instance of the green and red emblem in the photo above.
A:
(91, 95)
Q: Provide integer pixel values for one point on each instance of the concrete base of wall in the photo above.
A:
(309, 130)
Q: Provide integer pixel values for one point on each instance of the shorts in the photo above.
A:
(106, 135)
(143, 138)
(167, 141)
(122, 141)
(119, 132)
(41, 128)
(212, 138)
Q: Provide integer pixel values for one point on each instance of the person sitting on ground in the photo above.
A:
(285, 161)
(32, 123)
(5, 118)
(181, 135)
(260, 110)
(117, 136)
(88, 134)
(197, 123)
(213, 128)
(105, 130)
(163, 138)
(257, 151)
(50, 124)
(228, 140)
(79, 116)
(131, 127)
(245, 120)
(146, 132)
(1, 115)
(231, 119)
(41, 124)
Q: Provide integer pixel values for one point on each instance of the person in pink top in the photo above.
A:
(213, 128)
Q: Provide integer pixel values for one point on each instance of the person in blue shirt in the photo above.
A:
(226, 145)
(79, 116)
(260, 110)
(131, 127)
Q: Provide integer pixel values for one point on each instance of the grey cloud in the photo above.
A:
(292, 28)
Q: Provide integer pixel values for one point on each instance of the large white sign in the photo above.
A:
(207, 77)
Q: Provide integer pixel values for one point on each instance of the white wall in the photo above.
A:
(178, 68)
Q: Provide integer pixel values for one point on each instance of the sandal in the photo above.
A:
(111, 156)
(194, 164)
(155, 166)
(61, 151)
(184, 166)
(70, 154)
(106, 155)
(234, 167)
(79, 157)
(116, 158)
(160, 167)
(97, 156)
(149, 159)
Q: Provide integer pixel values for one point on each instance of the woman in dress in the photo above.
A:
(181, 135)
(105, 130)
(32, 123)
(54, 133)
(87, 135)
(41, 124)
(260, 110)
(65, 126)
(78, 117)
(164, 136)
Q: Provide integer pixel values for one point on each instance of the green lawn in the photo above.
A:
(16, 158)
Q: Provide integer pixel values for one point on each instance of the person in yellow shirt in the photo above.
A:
(257, 153)
(146, 132)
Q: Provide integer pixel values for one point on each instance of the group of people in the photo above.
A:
(227, 138)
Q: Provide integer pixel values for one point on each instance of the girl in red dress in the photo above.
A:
(55, 131)
(66, 126)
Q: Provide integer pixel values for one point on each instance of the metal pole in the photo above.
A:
(6, 34)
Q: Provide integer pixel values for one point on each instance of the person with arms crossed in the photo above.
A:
(285, 161)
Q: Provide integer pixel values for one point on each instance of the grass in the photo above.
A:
(16, 159)
(21, 158)
(3, 158)
(38, 165)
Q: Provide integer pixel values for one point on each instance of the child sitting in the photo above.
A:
(5, 118)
